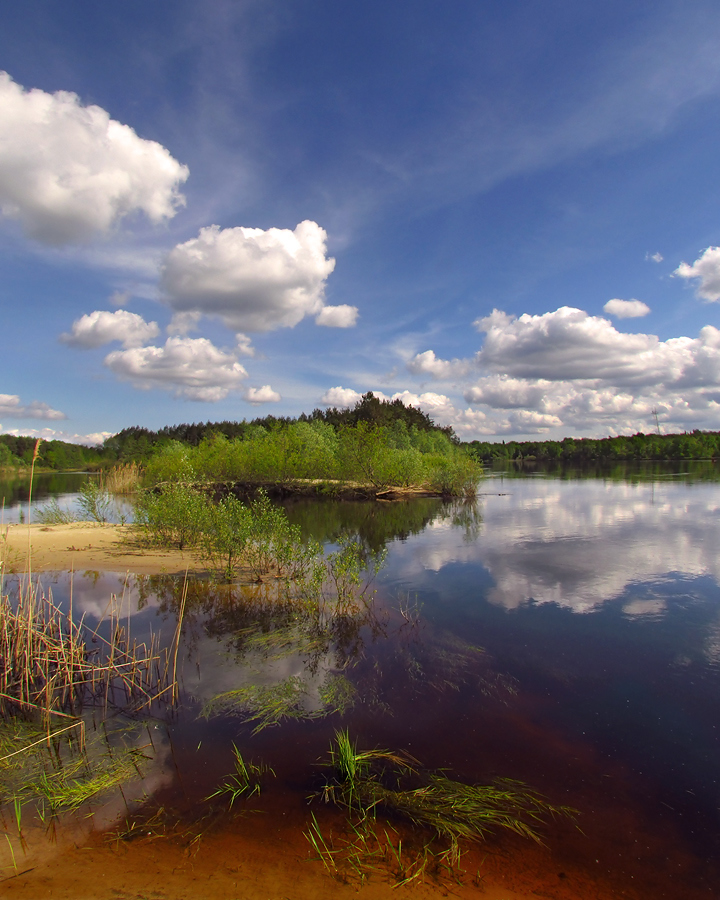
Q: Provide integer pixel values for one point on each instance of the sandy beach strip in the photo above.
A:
(87, 546)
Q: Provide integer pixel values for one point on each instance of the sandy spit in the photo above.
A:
(84, 546)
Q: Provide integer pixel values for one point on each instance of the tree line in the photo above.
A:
(136, 444)
(694, 445)
(403, 426)
(17, 452)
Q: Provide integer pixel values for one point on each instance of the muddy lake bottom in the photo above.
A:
(561, 631)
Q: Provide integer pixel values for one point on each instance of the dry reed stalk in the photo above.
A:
(178, 630)
(32, 475)
(45, 663)
(122, 479)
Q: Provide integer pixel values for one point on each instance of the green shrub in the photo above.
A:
(176, 515)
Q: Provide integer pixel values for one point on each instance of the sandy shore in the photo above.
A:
(84, 546)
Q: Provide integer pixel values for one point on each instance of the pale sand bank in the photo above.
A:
(84, 546)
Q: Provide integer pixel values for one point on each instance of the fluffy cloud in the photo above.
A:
(264, 394)
(11, 407)
(433, 404)
(69, 171)
(340, 397)
(569, 344)
(342, 316)
(101, 327)
(254, 280)
(193, 368)
(707, 269)
(626, 309)
(569, 372)
(503, 392)
(244, 345)
(429, 402)
(428, 364)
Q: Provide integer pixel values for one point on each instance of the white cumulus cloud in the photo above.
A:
(429, 402)
(504, 392)
(342, 316)
(706, 268)
(11, 407)
(569, 344)
(253, 280)
(340, 397)
(193, 368)
(427, 363)
(244, 345)
(68, 171)
(569, 372)
(264, 394)
(101, 327)
(626, 309)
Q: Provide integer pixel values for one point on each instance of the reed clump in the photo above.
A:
(51, 664)
(123, 478)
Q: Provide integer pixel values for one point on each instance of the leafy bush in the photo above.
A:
(177, 515)
(96, 504)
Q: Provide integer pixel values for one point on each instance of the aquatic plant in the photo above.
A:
(364, 848)
(365, 783)
(269, 705)
(244, 781)
(53, 514)
(453, 810)
(175, 515)
(50, 664)
(59, 770)
(123, 478)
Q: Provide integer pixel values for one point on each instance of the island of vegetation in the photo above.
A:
(377, 449)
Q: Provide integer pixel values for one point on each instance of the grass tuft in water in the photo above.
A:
(244, 781)
(365, 782)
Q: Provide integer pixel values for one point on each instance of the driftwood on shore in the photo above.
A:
(338, 490)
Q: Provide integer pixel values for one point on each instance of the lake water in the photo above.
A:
(561, 630)
(16, 505)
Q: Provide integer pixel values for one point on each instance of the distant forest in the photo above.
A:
(17, 452)
(694, 445)
(137, 444)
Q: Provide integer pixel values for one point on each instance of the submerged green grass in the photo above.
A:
(56, 773)
(268, 705)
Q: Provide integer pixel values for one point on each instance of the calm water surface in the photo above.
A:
(563, 631)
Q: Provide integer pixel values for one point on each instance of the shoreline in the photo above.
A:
(88, 546)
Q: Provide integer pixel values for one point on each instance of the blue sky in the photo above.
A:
(505, 213)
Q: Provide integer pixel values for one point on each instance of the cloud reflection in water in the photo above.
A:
(577, 544)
